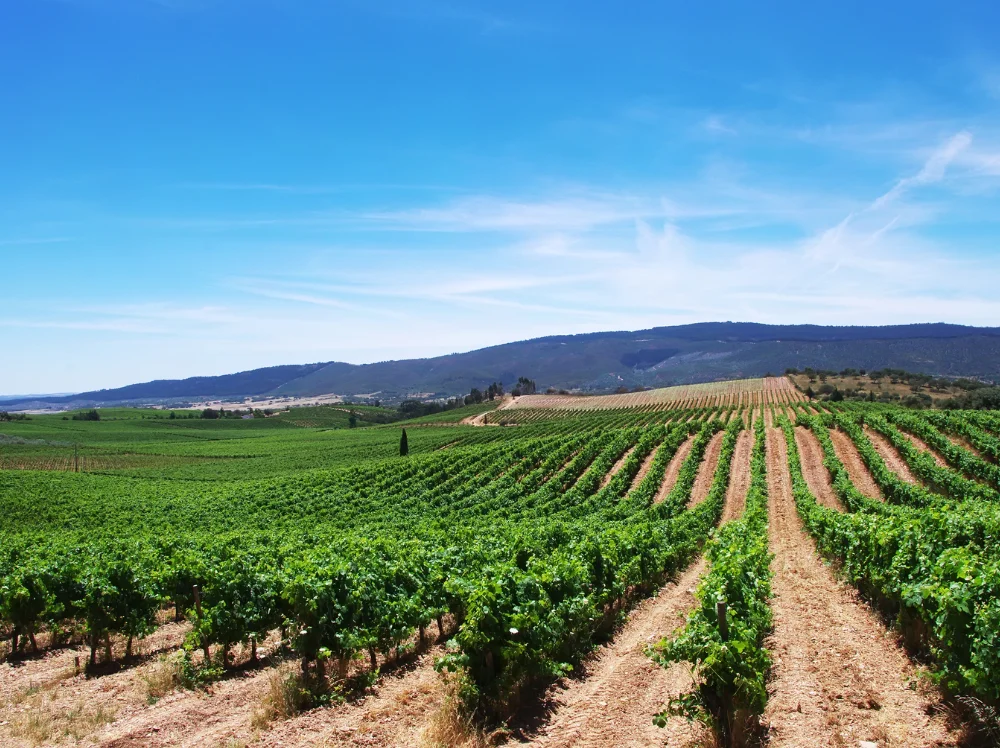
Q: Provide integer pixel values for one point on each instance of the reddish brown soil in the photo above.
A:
(839, 678)
(739, 477)
(924, 447)
(674, 469)
(892, 458)
(816, 475)
(706, 470)
(855, 466)
(960, 441)
(616, 467)
(644, 468)
(621, 688)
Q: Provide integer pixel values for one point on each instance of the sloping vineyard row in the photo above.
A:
(515, 539)
(928, 559)
(737, 393)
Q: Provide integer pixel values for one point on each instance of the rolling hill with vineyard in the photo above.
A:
(716, 563)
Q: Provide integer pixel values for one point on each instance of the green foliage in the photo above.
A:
(732, 667)
(927, 561)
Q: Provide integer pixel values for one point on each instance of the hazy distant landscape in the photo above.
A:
(593, 363)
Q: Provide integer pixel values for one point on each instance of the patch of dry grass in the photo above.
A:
(46, 720)
(285, 697)
(164, 676)
(449, 726)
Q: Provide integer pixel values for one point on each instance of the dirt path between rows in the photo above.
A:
(393, 715)
(856, 469)
(925, 447)
(673, 469)
(621, 688)
(961, 441)
(816, 475)
(616, 467)
(739, 477)
(47, 696)
(643, 468)
(706, 470)
(893, 459)
(839, 677)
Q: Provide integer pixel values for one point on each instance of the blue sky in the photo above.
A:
(195, 187)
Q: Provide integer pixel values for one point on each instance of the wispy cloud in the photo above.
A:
(497, 214)
(715, 124)
(933, 169)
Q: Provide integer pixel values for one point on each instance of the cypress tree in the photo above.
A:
(404, 448)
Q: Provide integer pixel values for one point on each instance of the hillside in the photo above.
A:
(603, 361)
(272, 541)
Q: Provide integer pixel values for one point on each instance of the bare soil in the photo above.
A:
(855, 466)
(477, 420)
(616, 467)
(739, 477)
(61, 699)
(223, 715)
(706, 470)
(674, 469)
(644, 468)
(961, 441)
(816, 475)
(613, 701)
(393, 714)
(892, 458)
(839, 677)
(925, 447)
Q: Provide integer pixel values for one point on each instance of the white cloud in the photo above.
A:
(715, 124)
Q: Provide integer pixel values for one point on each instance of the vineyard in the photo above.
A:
(722, 563)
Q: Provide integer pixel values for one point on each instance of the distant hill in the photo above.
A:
(241, 384)
(603, 361)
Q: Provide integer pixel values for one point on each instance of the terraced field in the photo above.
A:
(782, 572)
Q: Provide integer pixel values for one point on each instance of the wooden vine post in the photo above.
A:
(720, 612)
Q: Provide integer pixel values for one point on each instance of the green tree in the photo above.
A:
(404, 447)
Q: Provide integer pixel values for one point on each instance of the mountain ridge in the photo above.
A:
(598, 361)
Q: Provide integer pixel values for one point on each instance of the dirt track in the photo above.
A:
(673, 470)
(613, 704)
(839, 677)
(706, 470)
(620, 690)
(739, 477)
(616, 467)
(855, 466)
(815, 472)
(924, 447)
(893, 459)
